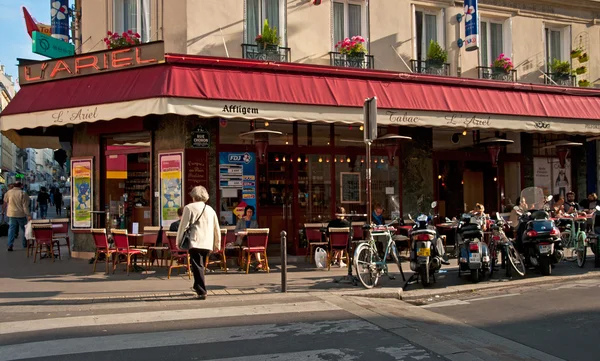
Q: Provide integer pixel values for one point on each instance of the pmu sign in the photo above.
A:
(92, 63)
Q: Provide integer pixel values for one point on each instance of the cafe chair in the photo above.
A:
(338, 241)
(42, 232)
(61, 231)
(180, 257)
(122, 248)
(314, 237)
(150, 243)
(357, 230)
(31, 242)
(102, 247)
(220, 253)
(257, 239)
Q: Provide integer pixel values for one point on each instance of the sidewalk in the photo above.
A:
(71, 280)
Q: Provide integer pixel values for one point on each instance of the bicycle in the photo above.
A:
(367, 263)
(574, 238)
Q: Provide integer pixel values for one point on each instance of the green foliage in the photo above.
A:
(560, 67)
(435, 53)
(269, 35)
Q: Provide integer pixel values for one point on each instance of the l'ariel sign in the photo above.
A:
(91, 63)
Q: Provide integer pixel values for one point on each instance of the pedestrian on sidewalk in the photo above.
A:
(58, 202)
(17, 203)
(51, 194)
(205, 235)
(42, 200)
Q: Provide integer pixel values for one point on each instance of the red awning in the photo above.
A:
(184, 80)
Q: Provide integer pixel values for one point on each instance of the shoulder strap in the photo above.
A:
(198, 220)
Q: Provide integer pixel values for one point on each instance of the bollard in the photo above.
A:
(283, 262)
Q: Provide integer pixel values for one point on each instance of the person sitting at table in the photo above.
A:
(378, 215)
(590, 203)
(479, 211)
(244, 223)
(338, 222)
(571, 205)
(175, 225)
(558, 206)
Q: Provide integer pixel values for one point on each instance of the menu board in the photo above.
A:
(196, 171)
(350, 187)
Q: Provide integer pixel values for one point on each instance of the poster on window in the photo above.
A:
(237, 183)
(471, 25)
(171, 184)
(549, 176)
(81, 193)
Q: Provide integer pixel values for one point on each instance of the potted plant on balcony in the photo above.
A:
(584, 58)
(502, 65)
(576, 53)
(561, 69)
(354, 49)
(436, 56)
(268, 41)
(581, 70)
(116, 40)
(584, 83)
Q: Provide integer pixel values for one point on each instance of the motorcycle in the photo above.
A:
(426, 250)
(538, 238)
(474, 255)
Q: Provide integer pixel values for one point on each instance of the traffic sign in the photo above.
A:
(48, 46)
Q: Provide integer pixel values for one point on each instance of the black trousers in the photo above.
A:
(197, 259)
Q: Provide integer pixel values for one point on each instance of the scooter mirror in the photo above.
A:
(598, 208)
(433, 204)
(549, 198)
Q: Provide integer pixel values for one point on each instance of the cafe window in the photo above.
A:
(132, 15)
(230, 130)
(314, 134)
(126, 176)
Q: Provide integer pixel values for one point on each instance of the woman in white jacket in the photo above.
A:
(204, 236)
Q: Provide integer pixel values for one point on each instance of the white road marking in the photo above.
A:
(235, 334)
(167, 315)
(401, 353)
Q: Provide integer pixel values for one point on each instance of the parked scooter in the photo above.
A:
(538, 238)
(426, 250)
(474, 255)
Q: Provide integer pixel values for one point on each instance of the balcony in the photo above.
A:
(343, 60)
(560, 79)
(489, 73)
(272, 53)
(426, 67)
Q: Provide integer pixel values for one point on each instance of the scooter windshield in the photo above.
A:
(532, 198)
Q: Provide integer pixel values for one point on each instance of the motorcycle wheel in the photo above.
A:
(364, 264)
(515, 261)
(475, 275)
(423, 275)
(545, 266)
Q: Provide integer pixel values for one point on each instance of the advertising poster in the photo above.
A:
(171, 172)
(471, 25)
(550, 177)
(81, 193)
(59, 11)
(237, 183)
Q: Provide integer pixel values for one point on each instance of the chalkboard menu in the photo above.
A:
(350, 187)
(195, 171)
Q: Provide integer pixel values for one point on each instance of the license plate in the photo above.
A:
(475, 257)
(545, 248)
(424, 252)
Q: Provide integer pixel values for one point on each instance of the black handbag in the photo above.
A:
(186, 240)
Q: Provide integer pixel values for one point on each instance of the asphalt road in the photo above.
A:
(561, 319)
(298, 328)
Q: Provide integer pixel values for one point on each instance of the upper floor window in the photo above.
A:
(558, 44)
(495, 40)
(349, 19)
(428, 26)
(132, 15)
(257, 11)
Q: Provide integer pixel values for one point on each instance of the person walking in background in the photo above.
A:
(17, 209)
(51, 194)
(42, 202)
(205, 235)
(58, 202)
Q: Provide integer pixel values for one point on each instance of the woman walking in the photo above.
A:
(204, 235)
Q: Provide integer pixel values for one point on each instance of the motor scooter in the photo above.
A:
(474, 255)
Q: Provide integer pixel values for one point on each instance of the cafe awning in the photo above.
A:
(244, 89)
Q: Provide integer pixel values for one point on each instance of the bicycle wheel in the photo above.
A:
(394, 251)
(568, 246)
(493, 258)
(581, 250)
(515, 259)
(364, 263)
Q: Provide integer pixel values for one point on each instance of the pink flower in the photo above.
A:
(130, 31)
(105, 40)
(124, 34)
(136, 35)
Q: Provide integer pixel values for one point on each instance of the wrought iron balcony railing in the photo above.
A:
(560, 79)
(429, 67)
(490, 73)
(343, 60)
(270, 53)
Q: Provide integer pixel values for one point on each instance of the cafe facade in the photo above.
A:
(143, 128)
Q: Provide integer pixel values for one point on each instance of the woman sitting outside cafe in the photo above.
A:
(338, 222)
(244, 223)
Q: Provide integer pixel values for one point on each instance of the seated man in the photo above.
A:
(175, 225)
(338, 222)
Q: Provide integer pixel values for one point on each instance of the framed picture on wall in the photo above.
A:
(171, 186)
(350, 187)
(82, 190)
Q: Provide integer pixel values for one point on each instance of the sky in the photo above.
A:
(14, 41)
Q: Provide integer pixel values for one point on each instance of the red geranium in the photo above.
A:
(114, 40)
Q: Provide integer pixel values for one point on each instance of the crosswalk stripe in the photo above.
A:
(313, 355)
(166, 315)
(235, 334)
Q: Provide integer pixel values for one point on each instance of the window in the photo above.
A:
(558, 43)
(492, 42)
(132, 15)
(428, 26)
(257, 11)
(349, 19)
